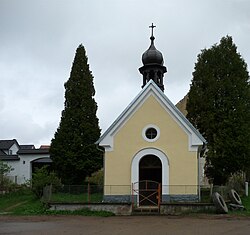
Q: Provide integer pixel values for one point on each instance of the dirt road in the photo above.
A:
(38, 225)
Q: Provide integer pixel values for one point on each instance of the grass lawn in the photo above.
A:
(246, 202)
(25, 203)
(22, 202)
(81, 198)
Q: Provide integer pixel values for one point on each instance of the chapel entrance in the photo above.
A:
(150, 180)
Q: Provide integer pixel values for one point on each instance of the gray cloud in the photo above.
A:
(39, 39)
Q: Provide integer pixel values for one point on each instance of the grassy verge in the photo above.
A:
(22, 202)
(66, 197)
(205, 193)
(84, 212)
(25, 203)
(246, 203)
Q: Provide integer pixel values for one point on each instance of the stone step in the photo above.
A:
(146, 210)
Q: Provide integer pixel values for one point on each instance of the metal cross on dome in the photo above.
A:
(152, 26)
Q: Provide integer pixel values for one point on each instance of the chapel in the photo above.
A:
(152, 152)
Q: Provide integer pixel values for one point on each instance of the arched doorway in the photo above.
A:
(136, 175)
(150, 179)
(150, 168)
(39, 163)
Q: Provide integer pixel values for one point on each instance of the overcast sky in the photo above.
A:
(38, 40)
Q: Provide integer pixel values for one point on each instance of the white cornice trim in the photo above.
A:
(195, 138)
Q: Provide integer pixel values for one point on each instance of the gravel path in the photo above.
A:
(176, 225)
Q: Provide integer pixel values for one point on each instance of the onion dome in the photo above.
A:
(153, 68)
(152, 55)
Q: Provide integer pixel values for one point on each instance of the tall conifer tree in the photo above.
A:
(73, 151)
(219, 106)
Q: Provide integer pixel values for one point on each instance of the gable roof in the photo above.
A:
(6, 144)
(33, 151)
(151, 89)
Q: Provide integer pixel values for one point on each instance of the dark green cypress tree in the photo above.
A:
(73, 151)
(219, 106)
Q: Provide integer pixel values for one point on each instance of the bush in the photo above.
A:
(5, 184)
(41, 178)
(96, 177)
(237, 182)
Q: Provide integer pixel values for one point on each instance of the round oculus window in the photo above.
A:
(151, 133)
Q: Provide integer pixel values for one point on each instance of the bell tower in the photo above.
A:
(152, 60)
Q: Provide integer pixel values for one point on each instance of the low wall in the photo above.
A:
(165, 198)
(182, 208)
(116, 208)
(126, 208)
(117, 198)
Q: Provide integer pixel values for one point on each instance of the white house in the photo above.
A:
(23, 159)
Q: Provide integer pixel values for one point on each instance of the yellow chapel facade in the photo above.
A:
(151, 145)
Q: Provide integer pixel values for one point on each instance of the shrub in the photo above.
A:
(237, 182)
(41, 178)
(96, 177)
(5, 183)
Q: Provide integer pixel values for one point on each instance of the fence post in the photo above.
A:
(132, 199)
(246, 188)
(44, 193)
(50, 192)
(211, 190)
(88, 193)
(159, 197)
(199, 192)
